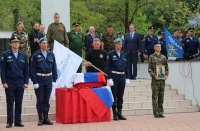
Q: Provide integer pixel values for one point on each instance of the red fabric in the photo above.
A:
(89, 84)
(101, 78)
(72, 108)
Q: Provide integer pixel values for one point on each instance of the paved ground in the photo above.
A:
(172, 122)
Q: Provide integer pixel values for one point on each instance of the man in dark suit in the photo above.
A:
(89, 38)
(33, 38)
(132, 48)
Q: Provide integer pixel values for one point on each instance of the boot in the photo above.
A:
(115, 117)
(46, 120)
(40, 121)
(120, 116)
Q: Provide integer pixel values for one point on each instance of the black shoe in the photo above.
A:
(19, 124)
(40, 121)
(8, 125)
(46, 120)
(120, 116)
(134, 78)
(156, 116)
(115, 116)
(161, 116)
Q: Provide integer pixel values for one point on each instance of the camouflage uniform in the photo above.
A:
(24, 46)
(108, 41)
(57, 31)
(157, 86)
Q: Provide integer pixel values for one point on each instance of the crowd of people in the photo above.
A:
(110, 53)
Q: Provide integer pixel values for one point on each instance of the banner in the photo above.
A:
(67, 64)
(173, 46)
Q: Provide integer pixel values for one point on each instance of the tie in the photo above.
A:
(92, 36)
(131, 36)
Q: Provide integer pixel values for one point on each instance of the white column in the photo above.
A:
(49, 7)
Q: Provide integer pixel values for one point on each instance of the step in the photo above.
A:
(25, 97)
(28, 110)
(167, 110)
(149, 98)
(147, 92)
(144, 87)
(148, 104)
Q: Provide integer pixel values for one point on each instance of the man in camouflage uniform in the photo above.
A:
(76, 41)
(56, 31)
(24, 46)
(157, 84)
(107, 39)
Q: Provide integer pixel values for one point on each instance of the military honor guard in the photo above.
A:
(148, 48)
(117, 71)
(108, 38)
(191, 43)
(14, 77)
(132, 45)
(44, 76)
(159, 71)
(76, 41)
(56, 31)
(24, 45)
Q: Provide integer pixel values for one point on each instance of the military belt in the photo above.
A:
(116, 72)
(42, 74)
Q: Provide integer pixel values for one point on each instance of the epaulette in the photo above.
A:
(6, 51)
(61, 23)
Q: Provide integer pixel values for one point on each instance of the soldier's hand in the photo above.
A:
(139, 53)
(145, 56)
(5, 85)
(35, 40)
(29, 54)
(25, 86)
(87, 64)
(165, 78)
(156, 78)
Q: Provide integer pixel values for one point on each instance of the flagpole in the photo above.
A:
(96, 68)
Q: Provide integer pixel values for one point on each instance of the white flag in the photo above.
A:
(67, 64)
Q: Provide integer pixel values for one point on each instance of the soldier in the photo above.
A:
(76, 41)
(118, 77)
(163, 45)
(157, 85)
(119, 35)
(44, 76)
(56, 31)
(191, 43)
(148, 40)
(14, 77)
(107, 39)
(24, 46)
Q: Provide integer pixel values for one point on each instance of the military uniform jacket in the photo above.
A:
(116, 63)
(76, 42)
(191, 46)
(148, 40)
(154, 60)
(57, 31)
(41, 65)
(12, 67)
(24, 46)
(108, 41)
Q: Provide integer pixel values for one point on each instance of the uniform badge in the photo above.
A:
(39, 56)
(2, 58)
(9, 57)
(101, 56)
(114, 56)
(107, 57)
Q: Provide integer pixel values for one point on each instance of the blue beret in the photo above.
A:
(162, 33)
(117, 40)
(14, 39)
(42, 39)
(119, 33)
(156, 42)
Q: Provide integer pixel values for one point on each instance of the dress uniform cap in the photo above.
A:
(117, 40)
(151, 28)
(156, 42)
(14, 39)
(119, 33)
(75, 23)
(19, 23)
(87, 31)
(42, 39)
(191, 28)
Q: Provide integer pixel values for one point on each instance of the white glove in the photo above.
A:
(53, 84)
(110, 82)
(127, 81)
(35, 86)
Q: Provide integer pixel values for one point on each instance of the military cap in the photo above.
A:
(14, 39)
(119, 33)
(19, 23)
(151, 28)
(42, 39)
(87, 31)
(191, 28)
(117, 40)
(76, 24)
(157, 42)
(162, 33)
